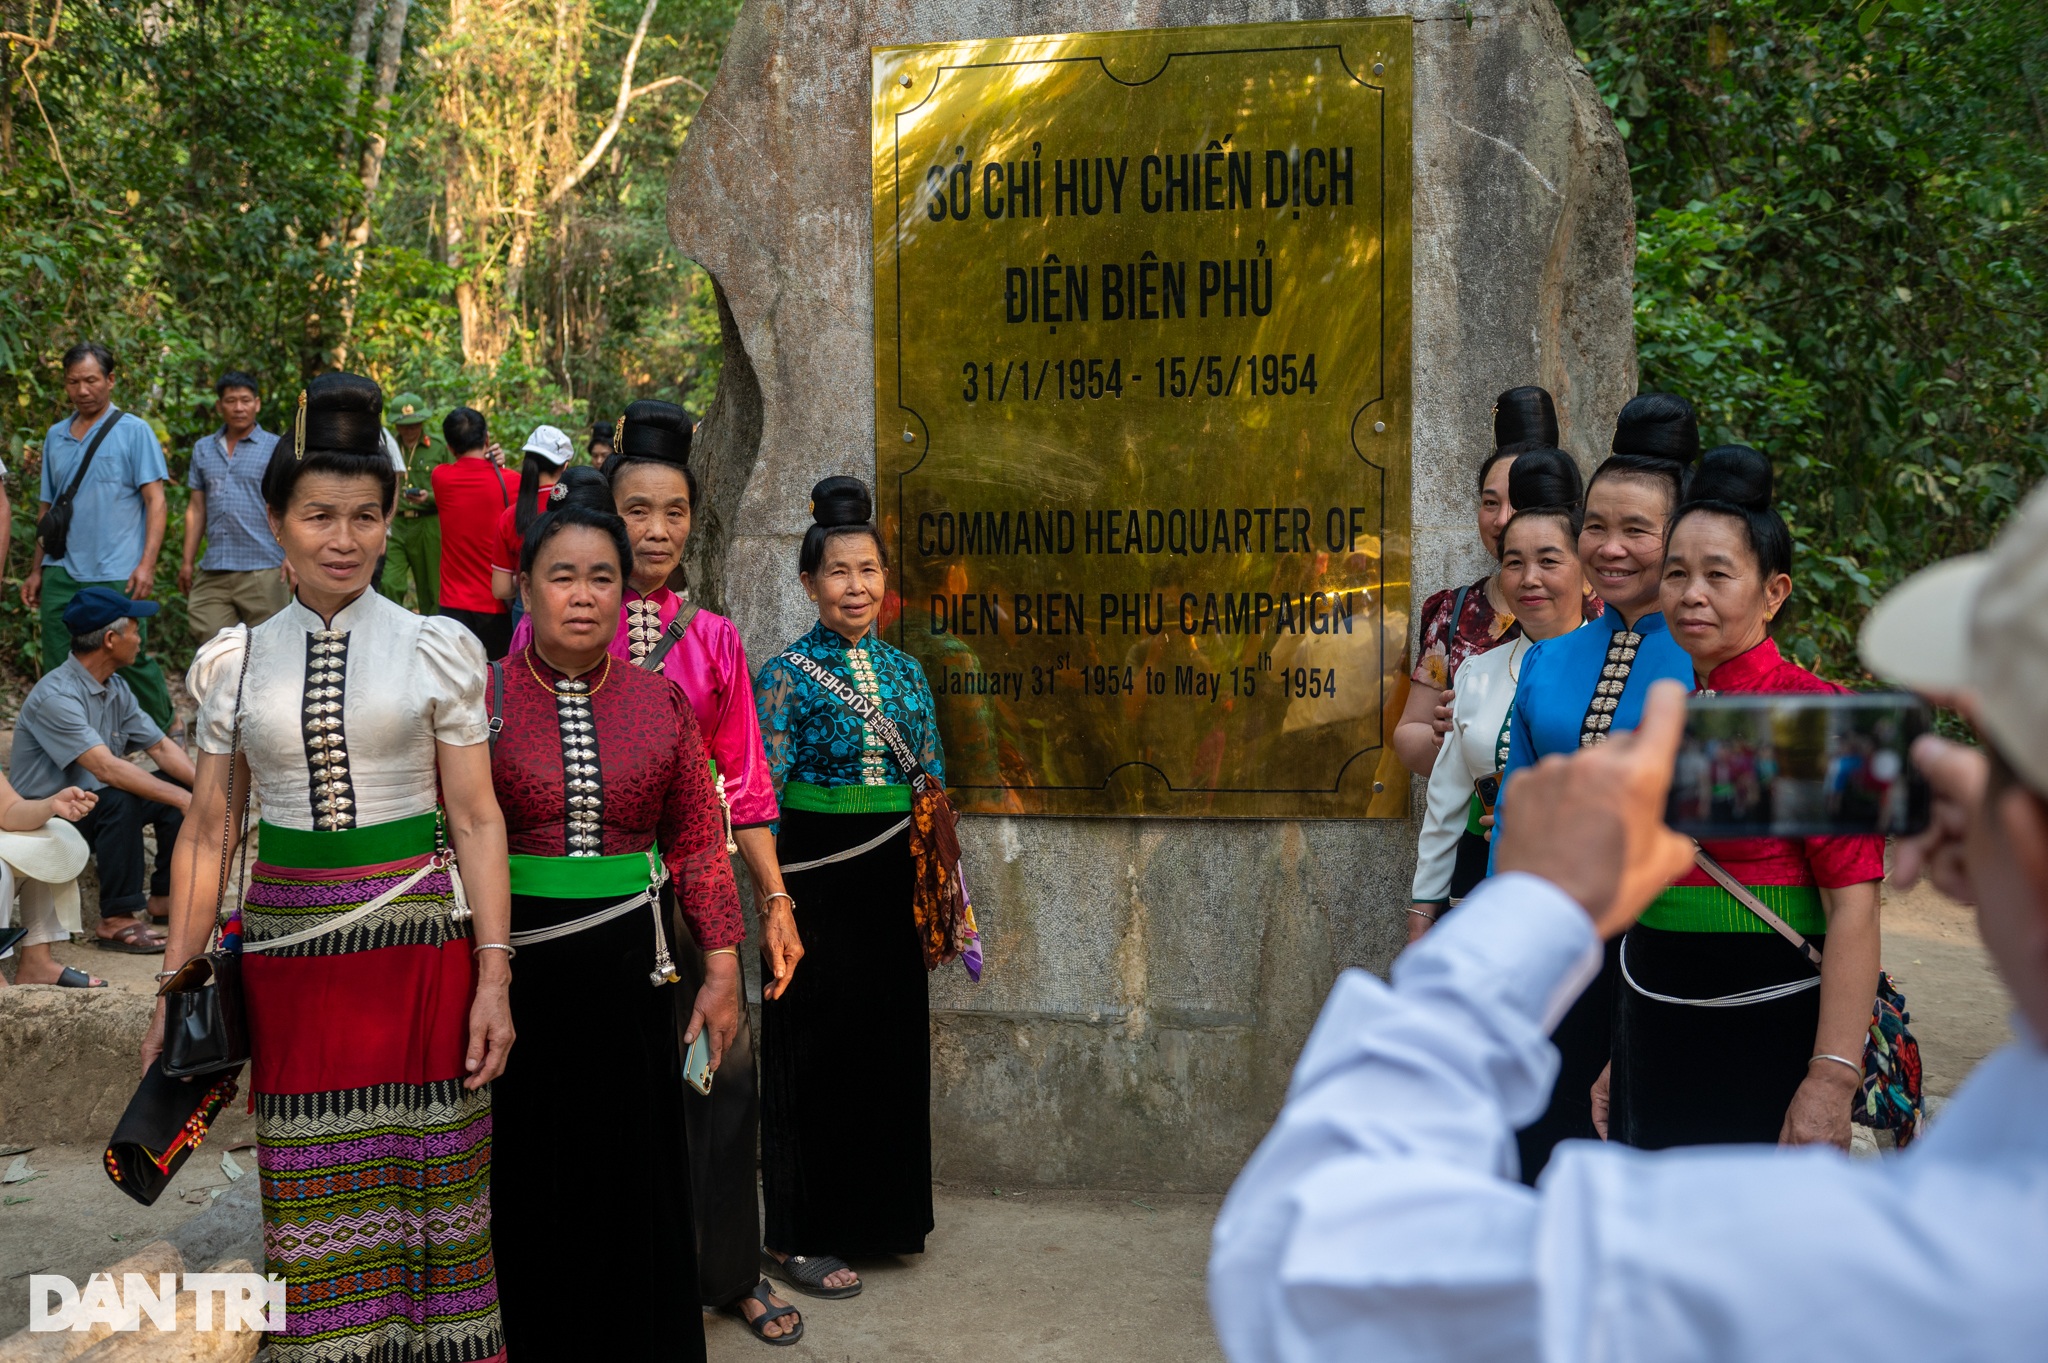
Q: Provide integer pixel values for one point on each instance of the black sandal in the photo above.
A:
(761, 1293)
(70, 977)
(807, 1273)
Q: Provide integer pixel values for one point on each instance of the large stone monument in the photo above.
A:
(1150, 980)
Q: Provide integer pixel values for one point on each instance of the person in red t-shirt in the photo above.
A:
(547, 452)
(472, 490)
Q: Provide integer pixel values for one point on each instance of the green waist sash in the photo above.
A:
(306, 849)
(846, 799)
(580, 877)
(1709, 908)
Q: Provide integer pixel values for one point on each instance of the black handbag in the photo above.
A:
(54, 529)
(206, 1030)
(165, 1122)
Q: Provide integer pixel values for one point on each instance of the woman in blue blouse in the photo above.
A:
(846, 1050)
(1579, 687)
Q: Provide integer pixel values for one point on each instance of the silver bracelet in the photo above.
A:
(771, 898)
(506, 947)
(1421, 914)
(1839, 1060)
(163, 975)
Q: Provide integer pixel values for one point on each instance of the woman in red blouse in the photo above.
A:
(602, 776)
(1723, 1031)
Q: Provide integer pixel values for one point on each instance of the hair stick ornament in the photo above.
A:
(299, 429)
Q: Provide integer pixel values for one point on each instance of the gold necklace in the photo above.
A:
(543, 684)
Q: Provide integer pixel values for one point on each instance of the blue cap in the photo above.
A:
(97, 607)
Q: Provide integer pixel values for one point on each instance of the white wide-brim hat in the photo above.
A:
(53, 853)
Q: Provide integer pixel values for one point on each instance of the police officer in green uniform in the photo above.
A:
(414, 553)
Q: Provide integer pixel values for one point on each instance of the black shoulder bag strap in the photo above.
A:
(1457, 611)
(670, 637)
(64, 499)
(870, 714)
(497, 711)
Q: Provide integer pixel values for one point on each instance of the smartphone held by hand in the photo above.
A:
(697, 1063)
(1792, 766)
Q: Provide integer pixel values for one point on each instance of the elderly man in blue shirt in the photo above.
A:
(117, 515)
(1381, 1218)
(241, 579)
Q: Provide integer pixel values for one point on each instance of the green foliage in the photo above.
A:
(189, 200)
(1843, 231)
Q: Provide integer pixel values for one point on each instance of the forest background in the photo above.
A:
(1842, 213)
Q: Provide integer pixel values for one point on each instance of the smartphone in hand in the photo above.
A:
(1800, 766)
(697, 1063)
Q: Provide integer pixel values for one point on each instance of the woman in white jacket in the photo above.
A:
(1545, 586)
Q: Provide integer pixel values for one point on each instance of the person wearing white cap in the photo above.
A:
(1380, 1219)
(547, 452)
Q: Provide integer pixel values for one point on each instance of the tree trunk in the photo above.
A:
(389, 50)
(371, 168)
(358, 63)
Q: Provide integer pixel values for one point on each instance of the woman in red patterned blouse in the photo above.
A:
(602, 776)
(1459, 622)
(1722, 1030)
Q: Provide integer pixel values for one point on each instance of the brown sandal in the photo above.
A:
(136, 939)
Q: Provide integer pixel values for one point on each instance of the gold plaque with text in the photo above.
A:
(1142, 412)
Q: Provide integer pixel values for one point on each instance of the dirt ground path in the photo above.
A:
(1036, 1275)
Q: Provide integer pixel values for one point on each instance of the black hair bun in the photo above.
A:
(1735, 474)
(840, 500)
(1544, 477)
(656, 430)
(344, 414)
(1524, 416)
(1658, 426)
(581, 485)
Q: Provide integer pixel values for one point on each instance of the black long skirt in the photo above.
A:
(1709, 1076)
(1583, 1039)
(592, 1264)
(846, 1135)
(724, 1129)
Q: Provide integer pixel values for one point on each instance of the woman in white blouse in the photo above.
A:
(375, 989)
(1545, 586)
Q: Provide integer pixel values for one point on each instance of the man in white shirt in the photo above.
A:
(1381, 1220)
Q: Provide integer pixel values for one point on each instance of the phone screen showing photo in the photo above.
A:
(1799, 766)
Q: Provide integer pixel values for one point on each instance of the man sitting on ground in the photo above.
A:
(77, 728)
(1381, 1220)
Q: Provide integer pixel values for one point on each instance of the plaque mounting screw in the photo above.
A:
(1379, 788)
(1379, 428)
(1378, 69)
(904, 80)
(909, 438)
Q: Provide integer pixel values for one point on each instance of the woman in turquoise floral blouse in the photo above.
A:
(846, 1050)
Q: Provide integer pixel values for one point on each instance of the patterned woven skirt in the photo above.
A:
(375, 1161)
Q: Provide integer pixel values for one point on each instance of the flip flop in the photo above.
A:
(807, 1274)
(761, 1293)
(8, 938)
(72, 978)
(137, 939)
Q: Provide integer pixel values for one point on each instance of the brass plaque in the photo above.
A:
(1141, 412)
